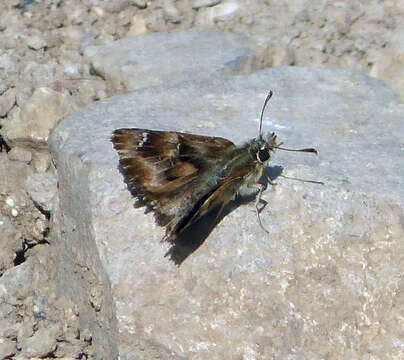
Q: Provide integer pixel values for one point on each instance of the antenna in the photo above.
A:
(311, 150)
(262, 112)
(302, 180)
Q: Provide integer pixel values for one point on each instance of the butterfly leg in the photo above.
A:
(269, 179)
(264, 203)
(258, 201)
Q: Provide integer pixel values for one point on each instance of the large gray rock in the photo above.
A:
(326, 280)
(162, 58)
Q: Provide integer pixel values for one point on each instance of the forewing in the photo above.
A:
(215, 203)
(163, 170)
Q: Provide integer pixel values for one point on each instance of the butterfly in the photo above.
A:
(182, 177)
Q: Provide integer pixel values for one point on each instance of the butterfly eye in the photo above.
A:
(263, 155)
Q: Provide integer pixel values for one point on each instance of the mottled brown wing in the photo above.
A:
(215, 202)
(167, 171)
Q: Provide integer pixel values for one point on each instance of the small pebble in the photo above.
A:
(36, 43)
(138, 26)
(140, 4)
(20, 154)
(10, 201)
(98, 11)
(41, 162)
(171, 12)
(197, 4)
(223, 11)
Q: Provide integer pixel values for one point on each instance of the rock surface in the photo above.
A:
(182, 57)
(330, 266)
(42, 189)
(32, 123)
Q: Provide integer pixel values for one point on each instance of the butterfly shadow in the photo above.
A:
(193, 236)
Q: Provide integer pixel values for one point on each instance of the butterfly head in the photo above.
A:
(263, 147)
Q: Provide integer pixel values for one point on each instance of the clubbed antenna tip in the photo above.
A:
(262, 112)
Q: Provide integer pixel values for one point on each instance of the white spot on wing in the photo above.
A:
(144, 139)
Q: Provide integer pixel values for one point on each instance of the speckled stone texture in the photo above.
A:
(159, 59)
(326, 282)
